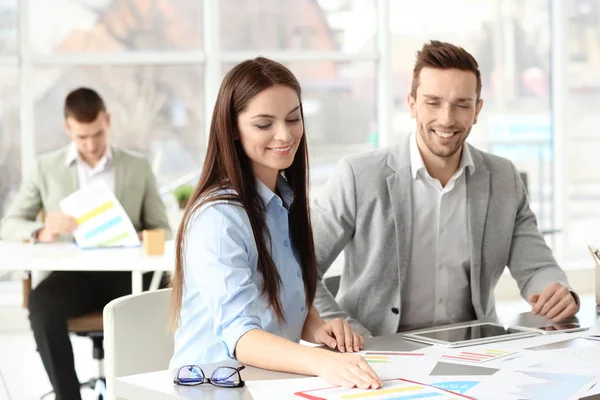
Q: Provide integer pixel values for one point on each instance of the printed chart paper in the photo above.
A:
(386, 357)
(535, 385)
(101, 219)
(476, 356)
(392, 389)
(405, 364)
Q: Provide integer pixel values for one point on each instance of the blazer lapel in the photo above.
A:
(120, 172)
(400, 191)
(478, 194)
(70, 179)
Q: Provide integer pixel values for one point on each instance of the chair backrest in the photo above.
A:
(137, 338)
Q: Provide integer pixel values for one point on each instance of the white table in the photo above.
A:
(69, 257)
(159, 385)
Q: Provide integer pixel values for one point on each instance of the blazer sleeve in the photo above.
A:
(334, 222)
(20, 222)
(531, 262)
(154, 214)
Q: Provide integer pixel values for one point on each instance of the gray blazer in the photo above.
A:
(366, 210)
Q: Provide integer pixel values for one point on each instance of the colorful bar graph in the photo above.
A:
(107, 225)
(382, 392)
(393, 389)
(114, 240)
(386, 357)
(478, 357)
(393, 353)
(95, 212)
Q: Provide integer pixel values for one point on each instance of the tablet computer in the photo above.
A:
(469, 334)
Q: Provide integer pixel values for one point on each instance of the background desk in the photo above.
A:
(69, 257)
(159, 385)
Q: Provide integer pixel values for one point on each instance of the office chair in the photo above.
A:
(137, 335)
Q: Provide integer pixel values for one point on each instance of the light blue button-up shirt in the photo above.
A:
(222, 287)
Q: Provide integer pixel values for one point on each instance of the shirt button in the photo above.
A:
(395, 310)
(299, 275)
(440, 301)
(302, 308)
(286, 243)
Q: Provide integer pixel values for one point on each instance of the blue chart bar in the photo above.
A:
(107, 225)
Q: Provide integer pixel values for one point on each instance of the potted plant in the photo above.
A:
(183, 194)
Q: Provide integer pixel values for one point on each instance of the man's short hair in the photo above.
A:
(442, 55)
(84, 105)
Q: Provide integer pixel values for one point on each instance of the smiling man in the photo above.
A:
(429, 225)
(87, 159)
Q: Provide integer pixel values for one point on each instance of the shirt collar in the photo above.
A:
(73, 155)
(417, 163)
(283, 188)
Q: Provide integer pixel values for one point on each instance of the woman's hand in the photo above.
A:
(338, 333)
(348, 370)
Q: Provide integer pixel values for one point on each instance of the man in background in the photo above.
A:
(89, 158)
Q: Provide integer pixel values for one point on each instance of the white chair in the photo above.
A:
(137, 338)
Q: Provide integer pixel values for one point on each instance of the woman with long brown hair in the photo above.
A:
(245, 276)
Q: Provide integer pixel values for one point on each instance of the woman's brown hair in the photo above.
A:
(227, 166)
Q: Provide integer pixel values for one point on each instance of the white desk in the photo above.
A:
(69, 257)
(159, 385)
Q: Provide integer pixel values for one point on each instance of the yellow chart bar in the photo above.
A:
(382, 392)
(95, 212)
(488, 351)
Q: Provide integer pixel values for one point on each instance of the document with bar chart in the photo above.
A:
(396, 389)
(476, 356)
(101, 219)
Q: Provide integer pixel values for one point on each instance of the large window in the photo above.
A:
(107, 26)
(159, 63)
(143, 57)
(323, 25)
(339, 112)
(156, 110)
(582, 122)
(10, 155)
(510, 41)
(8, 27)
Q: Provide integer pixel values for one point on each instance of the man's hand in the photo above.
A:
(338, 333)
(56, 224)
(556, 302)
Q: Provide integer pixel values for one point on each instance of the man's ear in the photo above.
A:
(412, 106)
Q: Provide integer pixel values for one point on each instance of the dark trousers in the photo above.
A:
(64, 295)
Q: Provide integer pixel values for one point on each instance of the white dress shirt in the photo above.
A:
(437, 288)
(103, 170)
